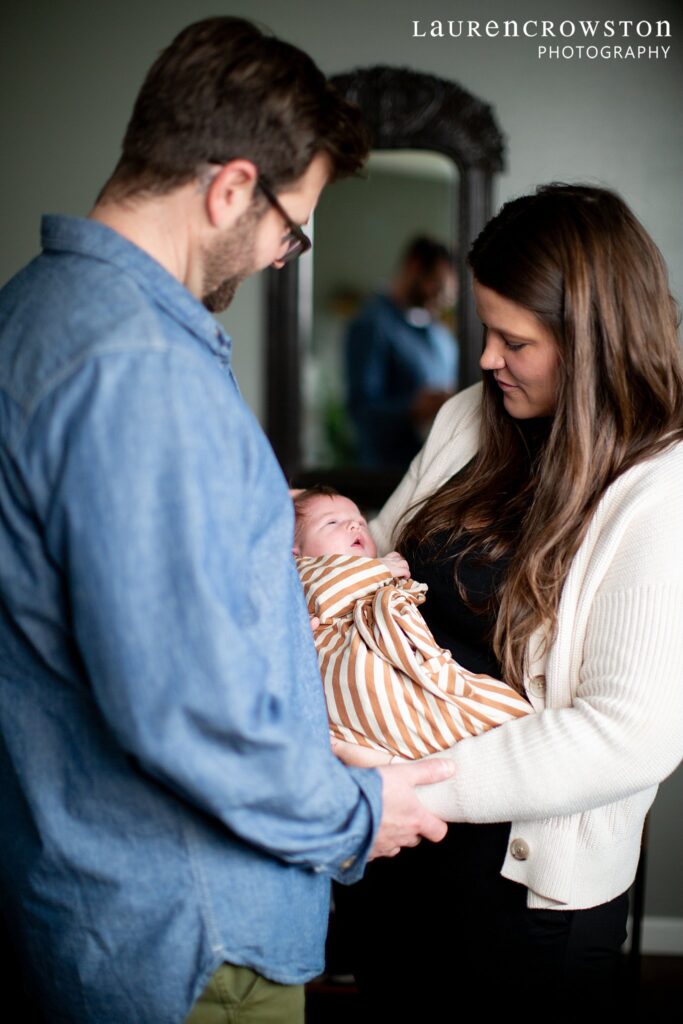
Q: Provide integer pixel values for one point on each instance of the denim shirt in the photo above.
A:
(169, 798)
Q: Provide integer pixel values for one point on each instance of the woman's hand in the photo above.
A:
(396, 564)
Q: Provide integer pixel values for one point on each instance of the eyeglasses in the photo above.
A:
(297, 242)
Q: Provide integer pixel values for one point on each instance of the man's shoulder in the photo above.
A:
(376, 311)
(64, 310)
(71, 295)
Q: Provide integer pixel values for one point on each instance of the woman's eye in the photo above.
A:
(513, 346)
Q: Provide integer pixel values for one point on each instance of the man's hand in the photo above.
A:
(404, 819)
(396, 564)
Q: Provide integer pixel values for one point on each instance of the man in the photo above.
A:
(402, 362)
(171, 807)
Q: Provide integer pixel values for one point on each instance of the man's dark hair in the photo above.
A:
(427, 253)
(224, 90)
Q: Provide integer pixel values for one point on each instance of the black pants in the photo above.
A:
(437, 927)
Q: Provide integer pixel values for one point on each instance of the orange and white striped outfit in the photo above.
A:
(388, 685)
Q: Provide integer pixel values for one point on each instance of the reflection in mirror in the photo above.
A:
(361, 231)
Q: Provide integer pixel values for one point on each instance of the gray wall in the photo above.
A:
(69, 72)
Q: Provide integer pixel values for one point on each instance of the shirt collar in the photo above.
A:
(416, 318)
(91, 238)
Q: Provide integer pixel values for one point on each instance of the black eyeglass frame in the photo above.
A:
(299, 242)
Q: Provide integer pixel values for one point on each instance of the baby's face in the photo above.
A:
(334, 526)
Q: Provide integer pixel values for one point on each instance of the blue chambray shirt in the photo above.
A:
(169, 798)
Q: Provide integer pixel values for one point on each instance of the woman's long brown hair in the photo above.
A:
(577, 258)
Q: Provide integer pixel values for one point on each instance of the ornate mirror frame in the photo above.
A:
(403, 109)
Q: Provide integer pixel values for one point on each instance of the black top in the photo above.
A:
(466, 631)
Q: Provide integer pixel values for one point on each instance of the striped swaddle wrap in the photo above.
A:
(388, 685)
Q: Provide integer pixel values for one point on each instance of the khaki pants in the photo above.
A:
(238, 995)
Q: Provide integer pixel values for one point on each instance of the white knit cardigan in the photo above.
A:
(577, 779)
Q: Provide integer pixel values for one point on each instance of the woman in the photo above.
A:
(545, 512)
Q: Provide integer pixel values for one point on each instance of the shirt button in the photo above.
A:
(519, 849)
(537, 686)
(348, 863)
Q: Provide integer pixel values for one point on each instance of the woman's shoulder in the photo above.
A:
(652, 478)
(452, 442)
(462, 410)
(454, 436)
(635, 533)
(670, 457)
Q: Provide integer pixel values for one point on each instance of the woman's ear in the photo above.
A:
(296, 550)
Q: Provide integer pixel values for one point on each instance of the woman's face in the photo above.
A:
(520, 352)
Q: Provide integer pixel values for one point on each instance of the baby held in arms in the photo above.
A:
(391, 691)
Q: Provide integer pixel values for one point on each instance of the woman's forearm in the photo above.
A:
(623, 733)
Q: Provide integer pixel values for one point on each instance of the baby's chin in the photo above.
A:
(369, 551)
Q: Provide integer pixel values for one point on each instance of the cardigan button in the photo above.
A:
(537, 686)
(348, 863)
(519, 849)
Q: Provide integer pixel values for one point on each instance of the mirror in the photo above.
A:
(362, 228)
(435, 148)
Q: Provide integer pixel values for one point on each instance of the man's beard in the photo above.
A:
(221, 297)
(228, 261)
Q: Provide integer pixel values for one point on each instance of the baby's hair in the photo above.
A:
(304, 498)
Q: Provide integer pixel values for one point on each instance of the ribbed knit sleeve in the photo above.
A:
(613, 721)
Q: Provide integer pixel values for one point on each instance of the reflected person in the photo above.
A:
(401, 360)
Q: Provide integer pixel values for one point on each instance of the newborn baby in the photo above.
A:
(391, 691)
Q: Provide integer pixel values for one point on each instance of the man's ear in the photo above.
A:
(230, 192)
